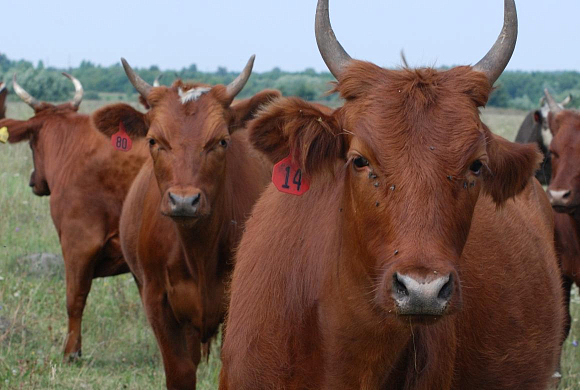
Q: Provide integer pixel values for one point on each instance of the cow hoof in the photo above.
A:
(72, 357)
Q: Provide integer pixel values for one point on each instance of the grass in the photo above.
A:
(119, 349)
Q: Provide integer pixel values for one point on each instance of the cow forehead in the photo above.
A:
(197, 120)
(415, 115)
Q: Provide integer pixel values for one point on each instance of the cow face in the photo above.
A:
(189, 130)
(43, 130)
(564, 189)
(412, 158)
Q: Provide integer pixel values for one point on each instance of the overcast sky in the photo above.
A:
(210, 33)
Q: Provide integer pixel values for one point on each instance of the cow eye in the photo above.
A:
(360, 162)
(152, 142)
(223, 143)
(476, 167)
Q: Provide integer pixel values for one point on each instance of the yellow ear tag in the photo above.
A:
(4, 134)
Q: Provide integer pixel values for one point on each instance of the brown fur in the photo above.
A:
(564, 150)
(181, 265)
(87, 181)
(3, 95)
(311, 304)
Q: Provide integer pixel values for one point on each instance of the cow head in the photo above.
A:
(189, 130)
(34, 130)
(564, 189)
(411, 156)
(541, 117)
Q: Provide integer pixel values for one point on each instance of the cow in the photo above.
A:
(564, 193)
(421, 256)
(87, 182)
(3, 93)
(186, 210)
(535, 129)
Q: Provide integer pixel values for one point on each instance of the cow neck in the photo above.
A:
(67, 148)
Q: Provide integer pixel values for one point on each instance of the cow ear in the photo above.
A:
(107, 119)
(245, 110)
(19, 131)
(537, 116)
(310, 131)
(510, 167)
(3, 102)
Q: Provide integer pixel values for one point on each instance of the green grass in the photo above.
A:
(119, 349)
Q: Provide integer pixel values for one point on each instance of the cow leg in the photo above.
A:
(79, 268)
(567, 285)
(173, 341)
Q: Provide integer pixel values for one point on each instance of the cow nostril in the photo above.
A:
(173, 199)
(399, 286)
(447, 289)
(566, 195)
(195, 199)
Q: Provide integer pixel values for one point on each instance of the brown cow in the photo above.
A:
(87, 181)
(420, 258)
(564, 192)
(187, 207)
(3, 93)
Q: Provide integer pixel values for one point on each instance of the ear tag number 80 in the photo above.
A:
(287, 176)
(120, 140)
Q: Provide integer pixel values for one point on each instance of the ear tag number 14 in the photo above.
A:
(287, 176)
(120, 140)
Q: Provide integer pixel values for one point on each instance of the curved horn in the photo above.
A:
(333, 54)
(501, 52)
(156, 81)
(22, 94)
(563, 103)
(554, 107)
(237, 85)
(140, 85)
(78, 98)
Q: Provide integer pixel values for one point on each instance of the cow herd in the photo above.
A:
(392, 243)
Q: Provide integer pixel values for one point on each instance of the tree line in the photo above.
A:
(515, 89)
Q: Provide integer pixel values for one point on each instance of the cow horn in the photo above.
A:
(554, 107)
(78, 98)
(22, 94)
(404, 59)
(156, 81)
(495, 61)
(238, 84)
(333, 54)
(140, 85)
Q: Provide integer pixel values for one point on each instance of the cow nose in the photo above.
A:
(184, 206)
(421, 297)
(559, 197)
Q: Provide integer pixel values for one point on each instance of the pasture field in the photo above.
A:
(119, 349)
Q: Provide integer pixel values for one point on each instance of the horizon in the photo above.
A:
(282, 34)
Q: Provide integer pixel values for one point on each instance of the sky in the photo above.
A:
(174, 34)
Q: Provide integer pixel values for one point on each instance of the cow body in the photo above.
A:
(186, 210)
(564, 194)
(422, 256)
(87, 182)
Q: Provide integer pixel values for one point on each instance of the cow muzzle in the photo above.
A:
(184, 205)
(561, 200)
(419, 297)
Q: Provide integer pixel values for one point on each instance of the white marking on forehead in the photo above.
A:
(546, 137)
(192, 94)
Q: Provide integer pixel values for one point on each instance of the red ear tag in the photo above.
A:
(288, 178)
(120, 140)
